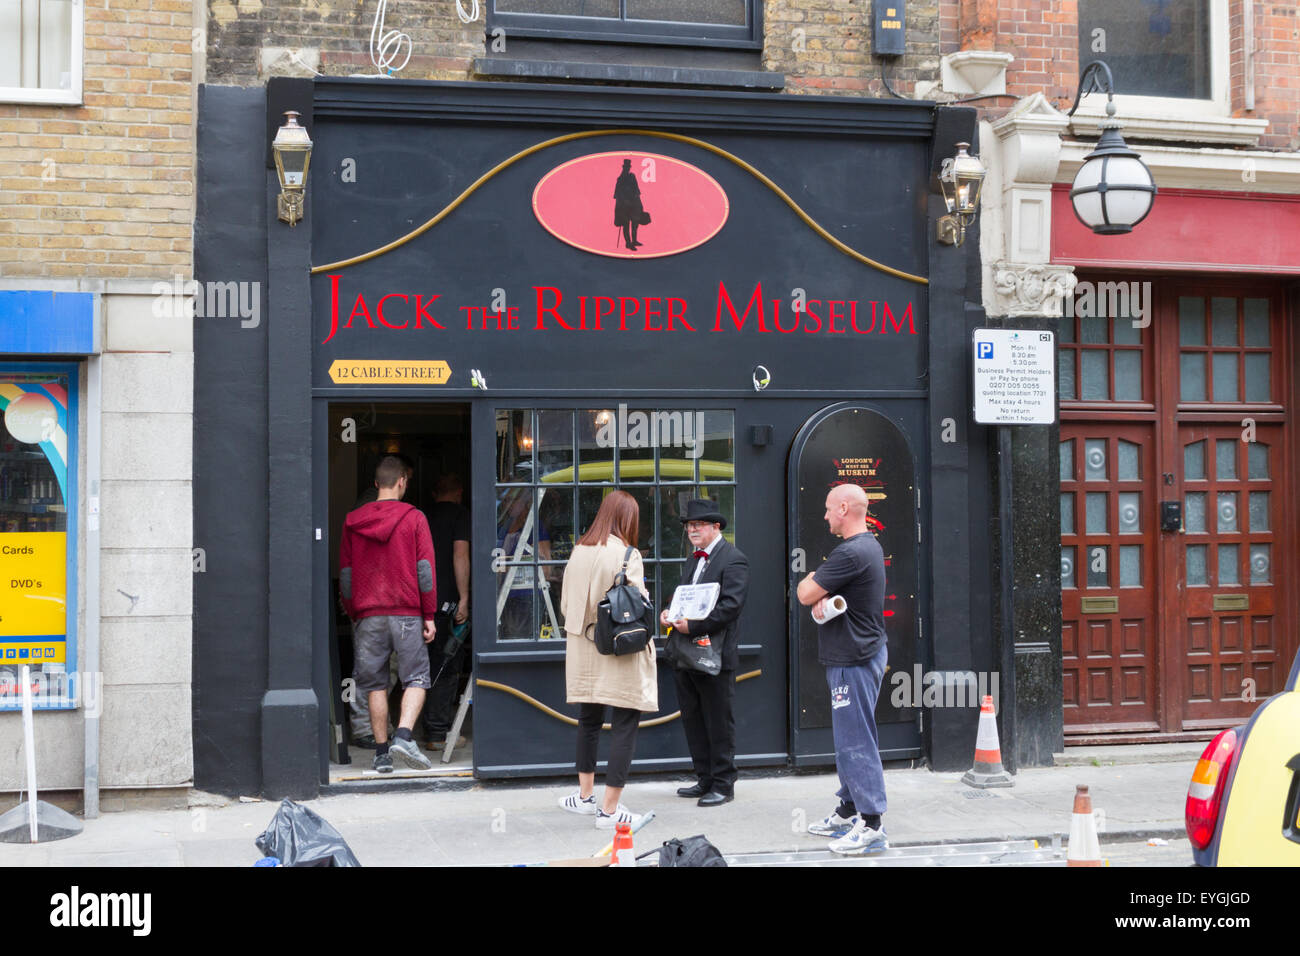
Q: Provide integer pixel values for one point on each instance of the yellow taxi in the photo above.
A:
(1243, 805)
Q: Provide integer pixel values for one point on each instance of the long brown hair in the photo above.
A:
(619, 514)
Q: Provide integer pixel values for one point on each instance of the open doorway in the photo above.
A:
(433, 440)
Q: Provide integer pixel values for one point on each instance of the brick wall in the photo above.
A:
(248, 40)
(1043, 37)
(1277, 72)
(823, 46)
(105, 190)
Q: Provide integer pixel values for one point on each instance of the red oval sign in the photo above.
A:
(630, 204)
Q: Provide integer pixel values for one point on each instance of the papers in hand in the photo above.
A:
(693, 601)
(835, 606)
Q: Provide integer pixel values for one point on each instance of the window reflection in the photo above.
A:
(555, 467)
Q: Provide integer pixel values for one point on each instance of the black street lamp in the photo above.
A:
(1113, 189)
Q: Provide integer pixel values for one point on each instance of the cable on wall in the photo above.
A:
(386, 46)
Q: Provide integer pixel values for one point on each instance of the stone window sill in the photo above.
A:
(500, 66)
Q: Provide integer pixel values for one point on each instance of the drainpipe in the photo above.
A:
(1248, 41)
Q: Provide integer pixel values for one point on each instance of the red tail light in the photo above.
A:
(1206, 790)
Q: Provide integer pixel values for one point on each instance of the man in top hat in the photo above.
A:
(706, 702)
(628, 212)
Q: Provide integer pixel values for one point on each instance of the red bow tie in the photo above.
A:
(701, 554)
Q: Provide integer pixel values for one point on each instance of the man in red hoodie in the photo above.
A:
(386, 578)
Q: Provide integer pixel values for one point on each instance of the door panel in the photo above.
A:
(1230, 566)
(1108, 611)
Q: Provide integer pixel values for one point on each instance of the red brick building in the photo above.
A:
(1177, 341)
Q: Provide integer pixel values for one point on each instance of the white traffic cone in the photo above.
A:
(1084, 848)
(987, 771)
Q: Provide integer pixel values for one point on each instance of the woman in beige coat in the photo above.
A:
(628, 684)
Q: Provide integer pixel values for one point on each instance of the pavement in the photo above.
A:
(504, 822)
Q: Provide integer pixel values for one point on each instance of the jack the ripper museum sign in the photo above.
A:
(625, 245)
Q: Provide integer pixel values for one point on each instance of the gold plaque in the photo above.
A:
(389, 372)
(1099, 605)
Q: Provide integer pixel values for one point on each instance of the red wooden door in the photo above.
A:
(1181, 630)
(1109, 614)
(1229, 566)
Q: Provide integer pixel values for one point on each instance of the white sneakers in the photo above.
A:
(575, 803)
(861, 839)
(832, 825)
(621, 814)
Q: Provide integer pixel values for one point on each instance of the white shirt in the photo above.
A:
(699, 566)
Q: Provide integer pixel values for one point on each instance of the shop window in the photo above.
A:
(40, 51)
(555, 467)
(723, 23)
(37, 534)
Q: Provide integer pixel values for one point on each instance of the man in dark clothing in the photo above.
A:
(628, 212)
(387, 584)
(853, 649)
(706, 702)
(449, 524)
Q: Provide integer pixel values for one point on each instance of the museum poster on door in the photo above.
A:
(37, 490)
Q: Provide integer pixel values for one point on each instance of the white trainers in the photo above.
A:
(860, 840)
(621, 814)
(833, 825)
(575, 803)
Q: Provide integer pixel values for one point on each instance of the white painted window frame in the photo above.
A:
(71, 96)
(1219, 104)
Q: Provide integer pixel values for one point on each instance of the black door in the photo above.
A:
(867, 445)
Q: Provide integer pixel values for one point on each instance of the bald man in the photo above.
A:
(853, 649)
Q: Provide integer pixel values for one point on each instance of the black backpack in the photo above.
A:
(693, 851)
(625, 620)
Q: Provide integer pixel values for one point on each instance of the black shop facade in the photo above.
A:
(776, 319)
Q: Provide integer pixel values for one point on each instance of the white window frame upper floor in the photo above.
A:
(29, 59)
(1175, 117)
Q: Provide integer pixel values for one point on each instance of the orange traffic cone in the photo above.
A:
(987, 771)
(1084, 848)
(624, 849)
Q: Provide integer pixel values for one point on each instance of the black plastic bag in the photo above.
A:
(693, 653)
(300, 837)
(693, 851)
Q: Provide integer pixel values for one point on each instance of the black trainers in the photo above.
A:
(383, 763)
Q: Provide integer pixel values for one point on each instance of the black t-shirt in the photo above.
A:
(855, 570)
(448, 523)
